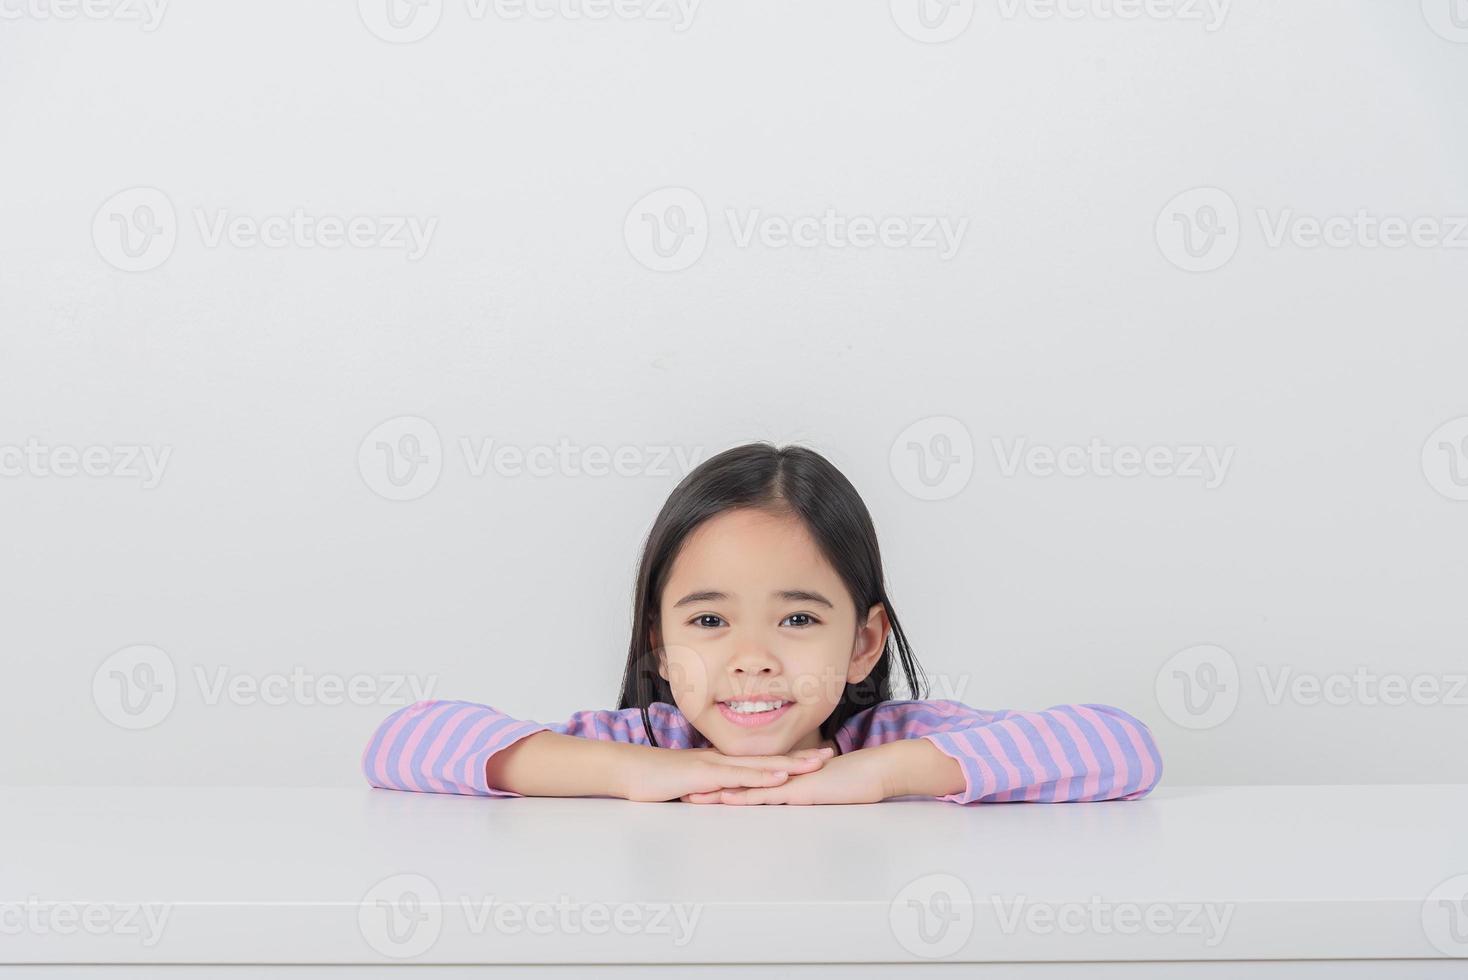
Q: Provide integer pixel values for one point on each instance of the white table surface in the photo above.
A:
(299, 876)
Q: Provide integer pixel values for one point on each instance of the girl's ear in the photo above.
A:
(656, 644)
(871, 641)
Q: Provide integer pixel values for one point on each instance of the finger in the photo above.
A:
(702, 797)
(765, 760)
(758, 761)
(804, 760)
(740, 776)
(751, 797)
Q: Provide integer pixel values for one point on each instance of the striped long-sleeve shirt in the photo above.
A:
(1068, 753)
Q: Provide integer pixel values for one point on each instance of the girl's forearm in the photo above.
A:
(917, 767)
(552, 764)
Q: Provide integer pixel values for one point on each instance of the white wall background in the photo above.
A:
(1333, 545)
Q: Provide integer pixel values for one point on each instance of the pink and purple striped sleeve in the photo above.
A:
(1068, 753)
(444, 746)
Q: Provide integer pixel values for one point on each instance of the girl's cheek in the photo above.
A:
(688, 677)
(821, 681)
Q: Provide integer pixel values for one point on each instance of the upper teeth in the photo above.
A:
(750, 707)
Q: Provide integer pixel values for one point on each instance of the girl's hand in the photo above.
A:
(672, 774)
(863, 776)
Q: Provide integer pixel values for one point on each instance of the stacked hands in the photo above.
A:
(807, 776)
(547, 763)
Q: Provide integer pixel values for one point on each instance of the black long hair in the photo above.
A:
(795, 480)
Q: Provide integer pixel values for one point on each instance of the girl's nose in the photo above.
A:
(754, 659)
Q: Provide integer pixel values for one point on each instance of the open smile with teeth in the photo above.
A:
(753, 707)
(755, 712)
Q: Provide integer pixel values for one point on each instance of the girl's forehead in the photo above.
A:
(749, 545)
(751, 531)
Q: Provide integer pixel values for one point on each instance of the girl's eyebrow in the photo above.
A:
(788, 595)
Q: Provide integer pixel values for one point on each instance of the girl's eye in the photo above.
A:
(804, 620)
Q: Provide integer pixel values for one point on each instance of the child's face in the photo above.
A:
(749, 642)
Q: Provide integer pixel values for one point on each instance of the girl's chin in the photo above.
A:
(750, 744)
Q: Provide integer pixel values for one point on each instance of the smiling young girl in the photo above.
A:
(760, 672)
